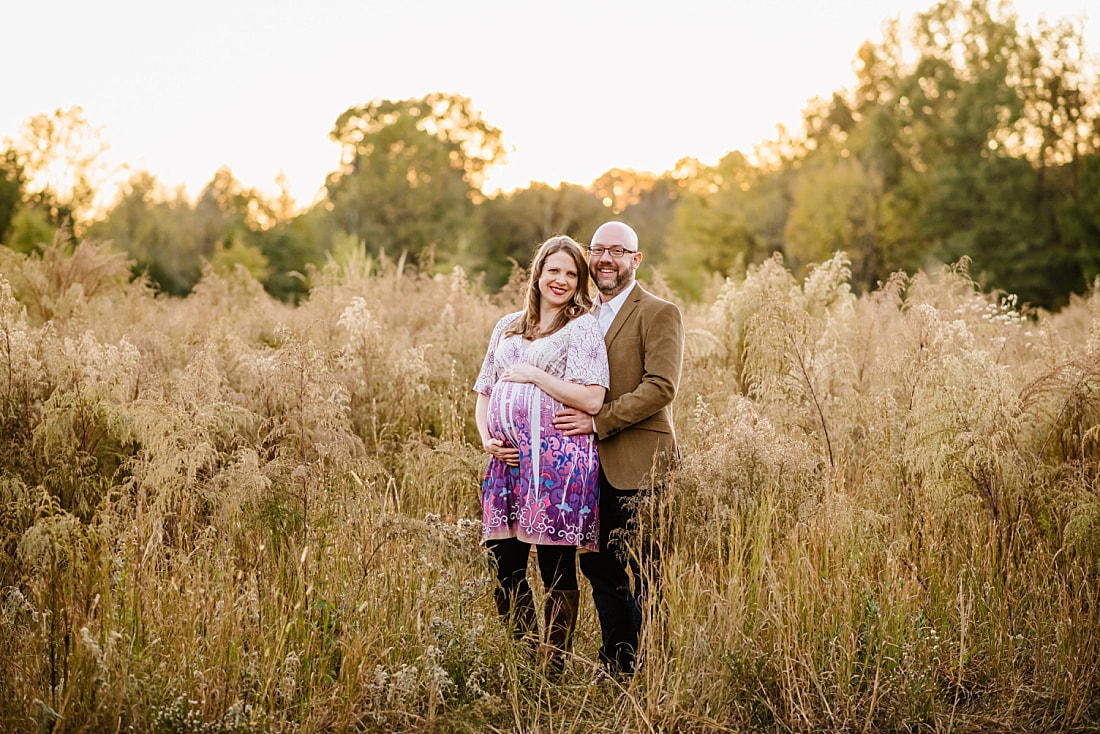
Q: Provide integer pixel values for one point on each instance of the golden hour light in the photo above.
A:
(491, 366)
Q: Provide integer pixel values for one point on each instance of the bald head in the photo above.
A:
(615, 233)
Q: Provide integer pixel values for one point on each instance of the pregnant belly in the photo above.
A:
(512, 408)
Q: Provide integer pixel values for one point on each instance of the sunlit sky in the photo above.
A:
(576, 86)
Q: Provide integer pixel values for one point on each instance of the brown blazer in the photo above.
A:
(634, 431)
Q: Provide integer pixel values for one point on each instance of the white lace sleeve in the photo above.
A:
(586, 354)
(490, 370)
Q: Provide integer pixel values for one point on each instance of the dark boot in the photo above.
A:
(518, 612)
(560, 616)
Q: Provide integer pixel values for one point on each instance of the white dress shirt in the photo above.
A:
(606, 312)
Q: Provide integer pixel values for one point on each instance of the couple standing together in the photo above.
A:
(574, 408)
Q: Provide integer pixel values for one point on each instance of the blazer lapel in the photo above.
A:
(624, 314)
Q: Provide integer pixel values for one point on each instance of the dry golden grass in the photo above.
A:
(224, 514)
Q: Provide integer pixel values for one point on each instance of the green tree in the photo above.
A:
(878, 140)
(155, 230)
(965, 138)
(990, 137)
(968, 138)
(131, 221)
(30, 231)
(11, 190)
(728, 216)
(225, 209)
(834, 207)
(513, 224)
(410, 173)
(169, 237)
(239, 252)
(62, 158)
(290, 247)
(1078, 216)
(648, 204)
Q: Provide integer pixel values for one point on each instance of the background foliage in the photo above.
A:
(963, 134)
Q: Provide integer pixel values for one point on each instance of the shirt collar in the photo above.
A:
(617, 302)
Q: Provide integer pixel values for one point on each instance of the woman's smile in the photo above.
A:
(558, 280)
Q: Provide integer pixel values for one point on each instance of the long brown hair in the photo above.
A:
(527, 325)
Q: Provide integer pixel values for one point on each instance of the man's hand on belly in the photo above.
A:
(573, 422)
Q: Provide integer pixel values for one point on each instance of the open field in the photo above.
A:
(226, 514)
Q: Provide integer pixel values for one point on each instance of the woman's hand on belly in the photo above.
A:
(507, 454)
(523, 372)
(509, 413)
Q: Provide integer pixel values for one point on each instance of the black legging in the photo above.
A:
(557, 565)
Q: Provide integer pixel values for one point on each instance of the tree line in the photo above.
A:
(965, 135)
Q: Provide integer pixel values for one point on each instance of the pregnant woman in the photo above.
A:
(541, 486)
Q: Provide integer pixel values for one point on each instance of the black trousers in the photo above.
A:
(557, 565)
(621, 575)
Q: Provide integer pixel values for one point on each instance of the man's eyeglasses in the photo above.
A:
(616, 252)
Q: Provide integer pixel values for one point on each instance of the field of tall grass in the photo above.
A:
(227, 514)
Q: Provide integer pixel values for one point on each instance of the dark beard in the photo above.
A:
(622, 280)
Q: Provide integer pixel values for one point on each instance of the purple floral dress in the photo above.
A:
(551, 497)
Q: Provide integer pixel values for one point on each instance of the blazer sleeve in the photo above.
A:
(662, 356)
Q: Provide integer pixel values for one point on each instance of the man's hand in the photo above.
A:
(573, 422)
(507, 454)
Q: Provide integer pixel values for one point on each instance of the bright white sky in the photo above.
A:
(577, 86)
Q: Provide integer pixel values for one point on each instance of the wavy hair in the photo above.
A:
(527, 325)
